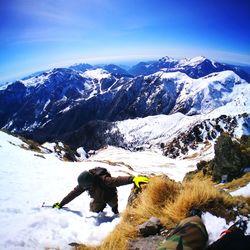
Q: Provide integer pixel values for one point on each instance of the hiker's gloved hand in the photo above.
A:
(140, 179)
(57, 205)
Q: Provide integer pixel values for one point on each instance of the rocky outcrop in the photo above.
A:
(150, 235)
(151, 227)
(208, 130)
(227, 160)
(150, 243)
(230, 161)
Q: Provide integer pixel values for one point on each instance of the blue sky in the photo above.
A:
(38, 35)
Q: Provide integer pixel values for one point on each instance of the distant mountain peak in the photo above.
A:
(115, 69)
(82, 67)
(193, 61)
(167, 59)
(176, 75)
(35, 80)
(195, 67)
(198, 58)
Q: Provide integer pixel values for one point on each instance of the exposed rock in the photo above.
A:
(208, 130)
(148, 243)
(150, 227)
(227, 159)
(232, 159)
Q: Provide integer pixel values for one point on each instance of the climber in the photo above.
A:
(101, 187)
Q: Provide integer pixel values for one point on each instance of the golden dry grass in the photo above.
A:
(170, 202)
(202, 195)
(120, 236)
(159, 191)
(198, 175)
(84, 247)
(236, 184)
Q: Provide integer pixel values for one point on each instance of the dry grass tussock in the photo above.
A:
(237, 183)
(170, 202)
(159, 192)
(204, 196)
(198, 176)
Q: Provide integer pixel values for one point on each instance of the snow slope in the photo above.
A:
(154, 129)
(26, 182)
(29, 178)
(36, 80)
(151, 131)
(192, 61)
(204, 94)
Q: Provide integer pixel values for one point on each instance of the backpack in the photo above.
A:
(98, 172)
(189, 234)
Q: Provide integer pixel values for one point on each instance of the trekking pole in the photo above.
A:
(43, 205)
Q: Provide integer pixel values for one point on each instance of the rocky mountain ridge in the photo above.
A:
(84, 101)
(194, 67)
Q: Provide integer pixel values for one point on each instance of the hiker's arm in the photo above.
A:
(71, 196)
(117, 181)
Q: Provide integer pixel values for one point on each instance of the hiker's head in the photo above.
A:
(85, 180)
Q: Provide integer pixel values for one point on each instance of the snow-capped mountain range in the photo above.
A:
(94, 105)
(194, 67)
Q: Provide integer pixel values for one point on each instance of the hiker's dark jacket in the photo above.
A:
(103, 190)
(235, 240)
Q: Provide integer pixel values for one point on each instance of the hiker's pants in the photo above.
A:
(97, 206)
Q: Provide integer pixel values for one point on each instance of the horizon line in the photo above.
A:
(129, 61)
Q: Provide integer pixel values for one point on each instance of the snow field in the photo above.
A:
(26, 182)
